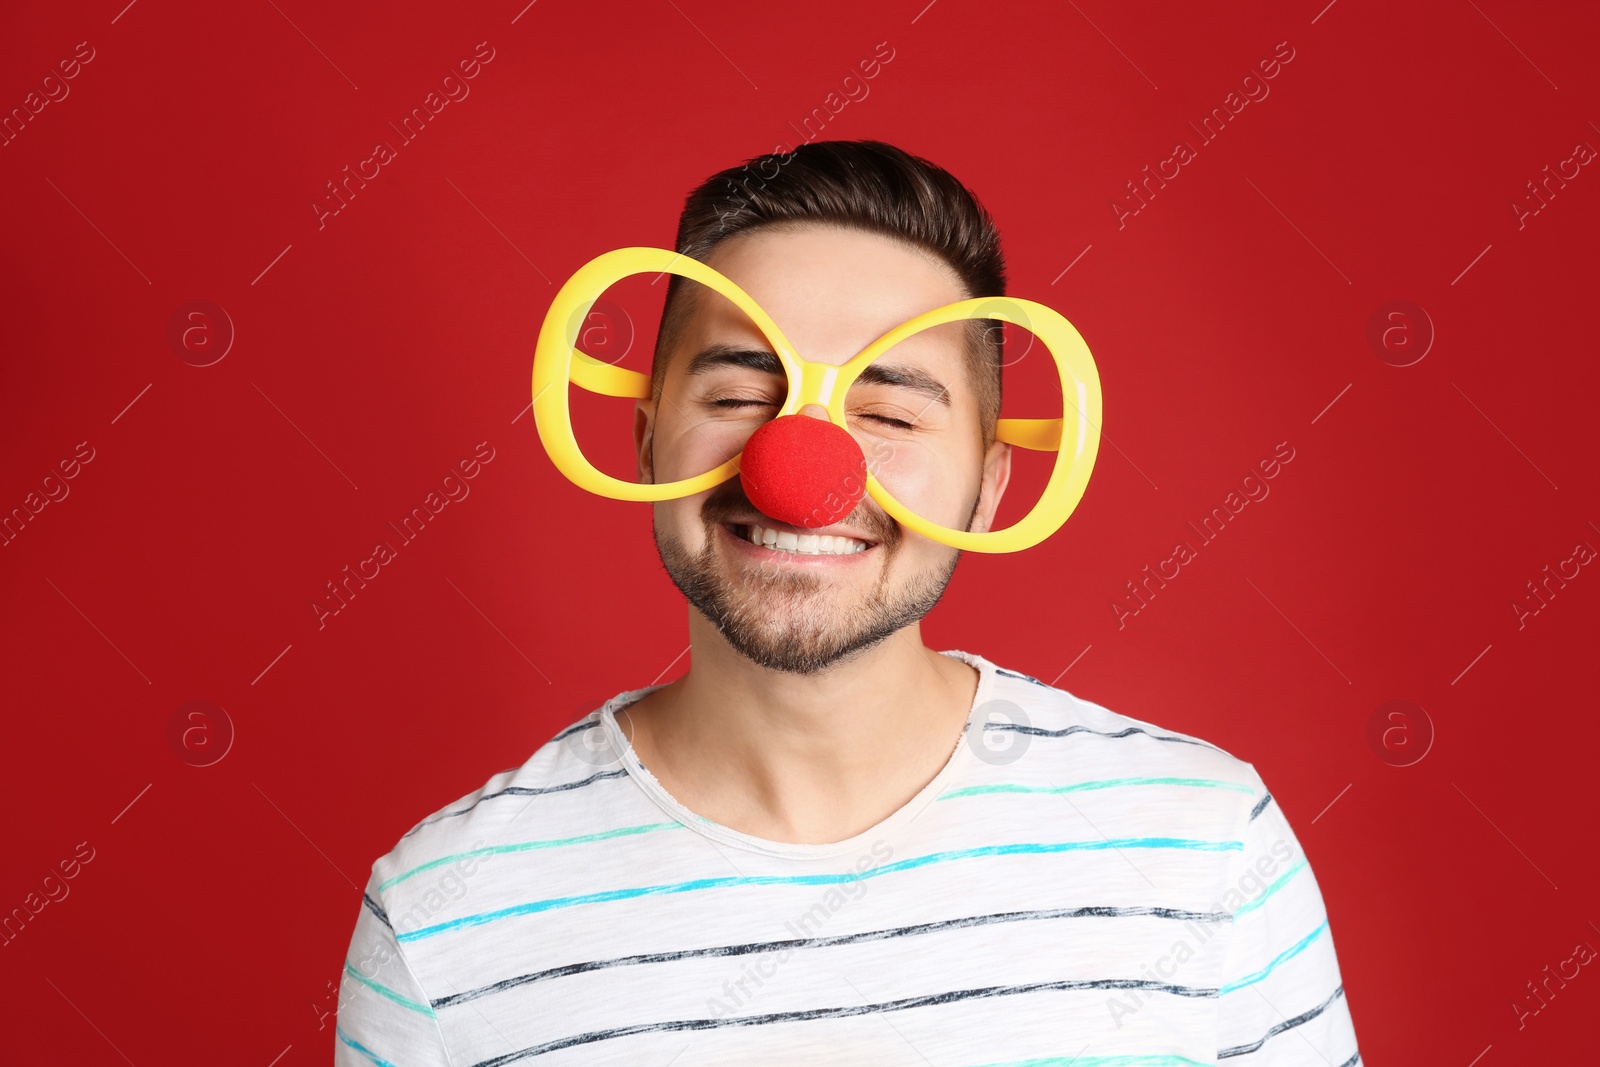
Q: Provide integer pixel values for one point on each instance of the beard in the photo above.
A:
(787, 618)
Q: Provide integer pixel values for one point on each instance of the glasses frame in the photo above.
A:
(558, 361)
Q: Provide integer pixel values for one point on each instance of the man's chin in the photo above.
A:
(789, 600)
(803, 644)
(795, 623)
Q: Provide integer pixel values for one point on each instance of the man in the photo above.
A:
(826, 842)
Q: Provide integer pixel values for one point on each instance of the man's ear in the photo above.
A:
(996, 475)
(644, 424)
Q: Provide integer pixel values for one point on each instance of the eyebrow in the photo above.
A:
(759, 359)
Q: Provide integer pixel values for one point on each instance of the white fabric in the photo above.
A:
(1074, 886)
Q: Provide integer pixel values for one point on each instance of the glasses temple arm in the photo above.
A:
(598, 376)
(1040, 435)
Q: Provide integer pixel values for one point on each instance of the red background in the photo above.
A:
(371, 355)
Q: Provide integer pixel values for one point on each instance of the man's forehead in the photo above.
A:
(832, 291)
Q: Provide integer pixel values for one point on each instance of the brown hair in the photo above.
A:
(866, 185)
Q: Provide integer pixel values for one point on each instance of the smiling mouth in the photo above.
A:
(806, 544)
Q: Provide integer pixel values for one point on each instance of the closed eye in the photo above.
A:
(740, 402)
(899, 424)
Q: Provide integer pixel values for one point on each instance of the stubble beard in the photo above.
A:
(786, 619)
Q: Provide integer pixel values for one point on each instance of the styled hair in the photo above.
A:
(865, 185)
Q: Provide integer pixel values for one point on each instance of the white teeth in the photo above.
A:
(805, 544)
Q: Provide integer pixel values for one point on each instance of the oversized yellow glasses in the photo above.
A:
(1075, 438)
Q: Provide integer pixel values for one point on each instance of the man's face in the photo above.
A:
(832, 291)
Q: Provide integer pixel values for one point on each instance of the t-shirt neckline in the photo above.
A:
(652, 788)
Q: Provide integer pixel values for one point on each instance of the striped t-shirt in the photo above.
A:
(1073, 887)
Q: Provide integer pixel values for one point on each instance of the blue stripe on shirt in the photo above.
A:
(379, 1061)
(1291, 951)
(816, 879)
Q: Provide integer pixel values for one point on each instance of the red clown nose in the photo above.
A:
(804, 471)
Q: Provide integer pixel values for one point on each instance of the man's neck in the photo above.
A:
(805, 759)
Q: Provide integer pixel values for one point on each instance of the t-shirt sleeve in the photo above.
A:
(1282, 1001)
(384, 1016)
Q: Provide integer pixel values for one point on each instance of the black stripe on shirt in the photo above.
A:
(1287, 1024)
(376, 909)
(1040, 731)
(1026, 678)
(588, 722)
(952, 996)
(1094, 911)
(1003, 672)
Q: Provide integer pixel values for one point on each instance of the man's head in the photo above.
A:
(838, 243)
(866, 185)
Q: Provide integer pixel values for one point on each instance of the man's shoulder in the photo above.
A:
(550, 794)
(1080, 730)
